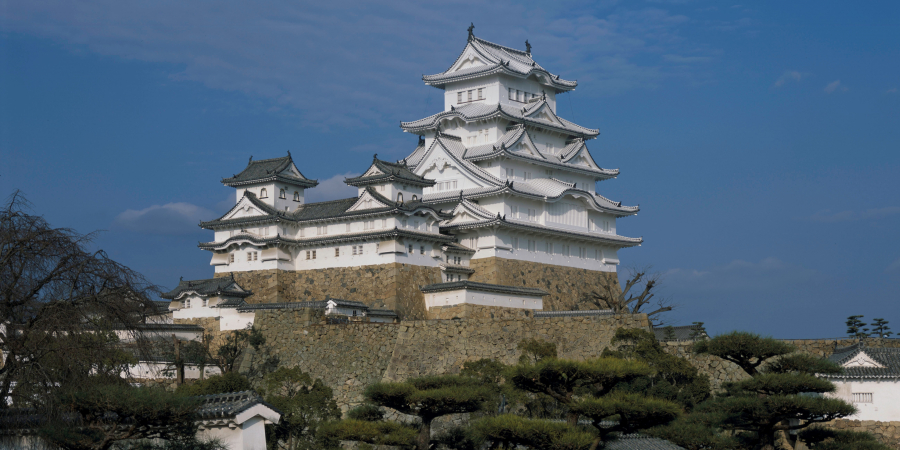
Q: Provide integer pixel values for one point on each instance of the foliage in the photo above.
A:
(820, 438)
(188, 443)
(216, 384)
(431, 397)
(103, 415)
(305, 404)
(626, 413)
(779, 398)
(697, 331)
(747, 350)
(370, 413)
(855, 327)
(64, 307)
(672, 378)
(695, 431)
(234, 346)
(610, 296)
(881, 329)
(377, 433)
(535, 350)
(512, 430)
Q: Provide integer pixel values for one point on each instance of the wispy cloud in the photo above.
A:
(891, 91)
(171, 218)
(345, 64)
(768, 274)
(332, 189)
(850, 215)
(789, 75)
(678, 59)
(835, 86)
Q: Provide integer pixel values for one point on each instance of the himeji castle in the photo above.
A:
(496, 206)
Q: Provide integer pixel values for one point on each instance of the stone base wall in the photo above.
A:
(886, 432)
(350, 357)
(570, 288)
(394, 286)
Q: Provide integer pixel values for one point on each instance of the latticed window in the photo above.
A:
(865, 397)
(337, 252)
(410, 248)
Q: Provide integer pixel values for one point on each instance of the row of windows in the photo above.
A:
(551, 248)
(367, 225)
(481, 137)
(861, 397)
(204, 303)
(445, 186)
(451, 278)
(521, 96)
(251, 256)
(469, 96)
(529, 214)
(511, 174)
(264, 193)
(454, 260)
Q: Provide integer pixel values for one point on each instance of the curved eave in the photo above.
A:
(618, 241)
(251, 220)
(213, 294)
(320, 240)
(367, 181)
(602, 174)
(577, 193)
(440, 80)
(255, 220)
(454, 268)
(294, 181)
(586, 133)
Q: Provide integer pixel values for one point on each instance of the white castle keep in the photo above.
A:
(496, 176)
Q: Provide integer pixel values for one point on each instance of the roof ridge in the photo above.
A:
(502, 47)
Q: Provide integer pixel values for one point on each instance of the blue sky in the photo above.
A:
(761, 140)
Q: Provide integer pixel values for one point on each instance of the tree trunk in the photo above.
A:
(179, 364)
(424, 437)
(572, 419)
(766, 439)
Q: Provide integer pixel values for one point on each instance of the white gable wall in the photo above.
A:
(885, 396)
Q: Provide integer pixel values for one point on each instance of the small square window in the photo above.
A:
(410, 249)
(422, 250)
(459, 97)
(480, 93)
(314, 254)
(337, 252)
(470, 95)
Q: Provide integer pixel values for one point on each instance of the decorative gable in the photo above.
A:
(244, 208)
(861, 359)
(373, 170)
(368, 201)
(470, 58)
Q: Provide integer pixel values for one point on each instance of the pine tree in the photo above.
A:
(769, 403)
(881, 328)
(855, 327)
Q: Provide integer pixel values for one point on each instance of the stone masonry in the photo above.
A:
(570, 288)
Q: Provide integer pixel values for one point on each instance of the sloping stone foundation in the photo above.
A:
(570, 288)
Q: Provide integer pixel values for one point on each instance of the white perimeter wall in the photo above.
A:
(885, 406)
(472, 297)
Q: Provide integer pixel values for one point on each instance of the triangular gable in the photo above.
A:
(373, 170)
(439, 158)
(861, 359)
(291, 170)
(525, 145)
(466, 211)
(471, 57)
(581, 156)
(545, 113)
(245, 207)
(368, 201)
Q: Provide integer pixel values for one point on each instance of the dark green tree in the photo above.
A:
(698, 331)
(821, 438)
(880, 329)
(216, 384)
(378, 432)
(671, 378)
(431, 397)
(104, 415)
(235, 345)
(778, 397)
(855, 327)
(511, 430)
(305, 404)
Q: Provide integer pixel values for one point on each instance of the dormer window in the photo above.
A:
(400, 197)
(281, 194)
(263, 193)
(296, 196)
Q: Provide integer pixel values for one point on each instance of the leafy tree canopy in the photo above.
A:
(217, 384)
(305, 404)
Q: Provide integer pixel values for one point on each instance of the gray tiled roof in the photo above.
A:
(282, 305)
(169, 327)
(221, 406)
(223, 286)
(393, 172)
(483, 287)
(887, 357)
(637, 441)
(311, 212)
(680, 333)
(454, 247)
(621, 241)
(455, 268)
(475, 112)
(580, 313)
(499, 59)
(505, 148)
(274, 169)
(378, 312)
(392, 233)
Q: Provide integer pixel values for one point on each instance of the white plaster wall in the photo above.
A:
(157, 370)
(272, 193)
(473, 297)
(885, 406)
(513, 245)
(526, 85)
(490, 86)
(231, 438)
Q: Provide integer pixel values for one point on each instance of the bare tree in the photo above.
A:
(64, 309)
(610, 296)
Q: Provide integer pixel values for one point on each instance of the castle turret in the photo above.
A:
(392, 180)
(276, 182)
